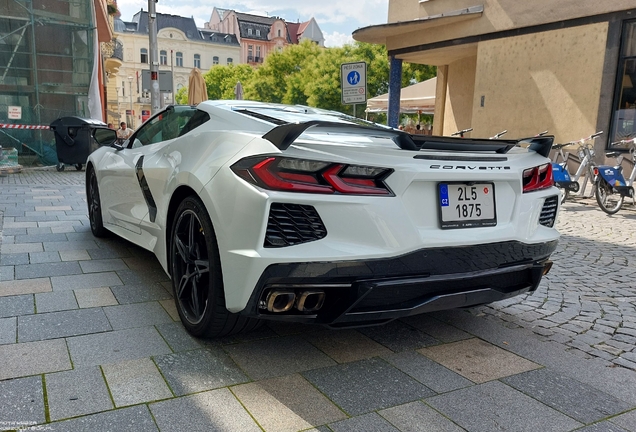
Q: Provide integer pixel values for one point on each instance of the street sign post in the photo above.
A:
(353, 83)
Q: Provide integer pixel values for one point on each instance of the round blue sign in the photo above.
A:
(353, 77)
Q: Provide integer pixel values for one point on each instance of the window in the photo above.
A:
(229, 60)
(123, 88)
(249, 32)
(179, 59)
(144, 55)
(197, 61)
(258, 57)
(250, 53)
(215, 60)
(624, 115)
(258, 32)
(278, 32)
(169, 124)
(163, 57)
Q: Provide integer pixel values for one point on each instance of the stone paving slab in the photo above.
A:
(371, 422)
(93, 280)
(263, 358)
(115, 346)
(194, 371)
(287, 403)
(16, 305)
(140, 293)
(8, 330)
(215, 411)
(581, 402)
(55, 325)
(417, 416)
(346, 345)
(33, 358)
(55, 301)
(477, 360)
(111, 421)
(95, 297)
(21, 403)
(76, 392)
(30, 286)
(366, 385)
(399, 336)
(495, 406)
(135, 381)
(136, 315)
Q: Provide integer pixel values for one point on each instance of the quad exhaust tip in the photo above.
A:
(278, 301)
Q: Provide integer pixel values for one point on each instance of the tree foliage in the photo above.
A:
(308, 74)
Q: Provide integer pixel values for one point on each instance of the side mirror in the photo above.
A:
(104, 136)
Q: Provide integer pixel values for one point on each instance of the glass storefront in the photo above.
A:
(623, 125)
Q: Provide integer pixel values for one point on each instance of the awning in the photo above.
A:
(415, 98)
(378, 34)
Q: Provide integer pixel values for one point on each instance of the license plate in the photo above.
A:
(466, 205)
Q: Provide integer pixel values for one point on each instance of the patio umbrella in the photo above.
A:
(238, 91)
(197, 91)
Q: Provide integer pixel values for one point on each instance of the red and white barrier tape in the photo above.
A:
(21, 126)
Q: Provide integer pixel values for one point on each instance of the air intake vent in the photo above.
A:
(291, 224)
(549, 211)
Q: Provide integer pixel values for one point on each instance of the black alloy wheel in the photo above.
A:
(197, 279)
(94, 206)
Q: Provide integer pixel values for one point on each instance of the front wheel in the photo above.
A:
(94, 205)
(608, 200)
(78, 167)
(197, 279)
(59, 167)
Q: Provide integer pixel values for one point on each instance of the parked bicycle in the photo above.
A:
(499, 135)
(461, 132)
(562, 178)
(611, 185)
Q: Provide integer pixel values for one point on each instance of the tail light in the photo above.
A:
(308, 176)
(537, 178)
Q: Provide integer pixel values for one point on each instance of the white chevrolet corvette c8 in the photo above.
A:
(265, 211)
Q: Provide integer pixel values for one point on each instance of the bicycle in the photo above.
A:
(611, 186)
(562, 178)
(461, 132)
(499, 135)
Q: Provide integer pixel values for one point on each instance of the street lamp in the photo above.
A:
(132, 116)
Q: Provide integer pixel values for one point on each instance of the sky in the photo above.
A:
(337, 19)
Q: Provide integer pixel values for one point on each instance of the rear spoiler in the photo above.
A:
(284, 136)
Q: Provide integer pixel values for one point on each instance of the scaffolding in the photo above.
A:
(46, 60)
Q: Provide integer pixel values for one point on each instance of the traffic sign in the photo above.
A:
(353, 83)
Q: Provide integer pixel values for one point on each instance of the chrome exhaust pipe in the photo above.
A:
(280, 301)
(310, 301)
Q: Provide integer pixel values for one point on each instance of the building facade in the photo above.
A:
(567, 66)
(50, 65)
(181, 47)
(259, 36)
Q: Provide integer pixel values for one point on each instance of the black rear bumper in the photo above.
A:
(378, 291)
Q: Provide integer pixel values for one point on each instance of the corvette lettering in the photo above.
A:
(469, 167)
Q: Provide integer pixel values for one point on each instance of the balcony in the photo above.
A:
(143, 100)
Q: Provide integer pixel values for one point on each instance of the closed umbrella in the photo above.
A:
(197, 91)
(238, 91)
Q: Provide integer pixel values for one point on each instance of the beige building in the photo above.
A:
(568, 66)
(181, 47)
(259, 36)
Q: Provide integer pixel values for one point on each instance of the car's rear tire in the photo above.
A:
(197, 279)
(94, 205)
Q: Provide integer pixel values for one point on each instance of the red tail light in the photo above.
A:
(538, 178)
(299, 175)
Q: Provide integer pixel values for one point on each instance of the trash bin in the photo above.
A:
(75, 139)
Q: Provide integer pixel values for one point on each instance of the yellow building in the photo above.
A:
(568, 66)
(181, 47)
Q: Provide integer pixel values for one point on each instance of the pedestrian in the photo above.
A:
(110, 126)
(123, 133)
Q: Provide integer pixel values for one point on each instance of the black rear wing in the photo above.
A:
(284, 136)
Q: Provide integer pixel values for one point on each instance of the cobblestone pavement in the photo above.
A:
(588, 300)
(90, 340)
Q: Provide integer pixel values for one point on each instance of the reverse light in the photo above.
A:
(538, 178)
(308, 176)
